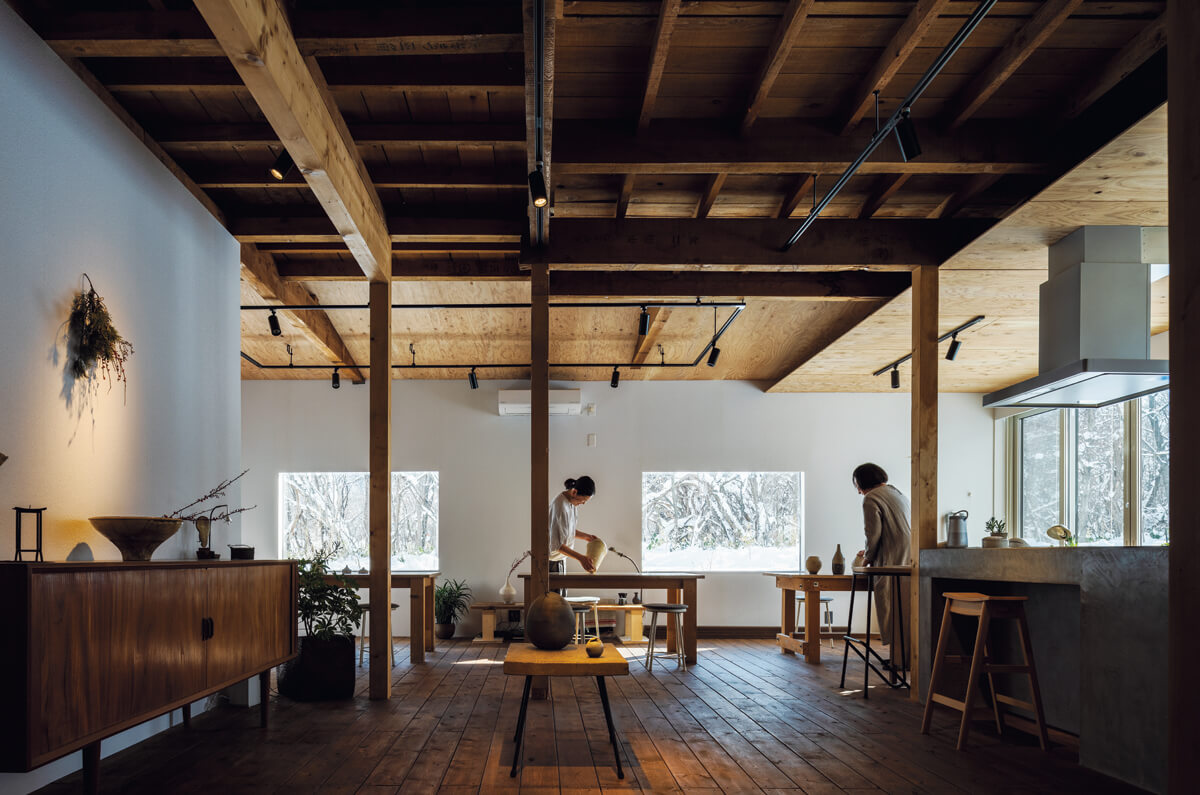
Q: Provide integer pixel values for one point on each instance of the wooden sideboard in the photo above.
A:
(92, 649)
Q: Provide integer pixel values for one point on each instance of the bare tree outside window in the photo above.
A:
(328, 510)
(720, 521)
(1039, 474)
(1155, 467)
(1100, 476)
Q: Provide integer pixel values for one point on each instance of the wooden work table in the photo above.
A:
(811, 586)
(420, 588)
(680, 588)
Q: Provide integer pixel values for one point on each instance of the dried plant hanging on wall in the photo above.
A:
(93, 340)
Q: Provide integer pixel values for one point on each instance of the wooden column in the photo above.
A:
(539, 442)
(1183, 134)
(380, 498)
(924, 443)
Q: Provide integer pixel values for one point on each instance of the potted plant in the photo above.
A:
(450, 600)
(329, 612)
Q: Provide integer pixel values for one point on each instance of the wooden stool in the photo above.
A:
(986, 608)
(826, 604)
(674, 610)
(364, 609)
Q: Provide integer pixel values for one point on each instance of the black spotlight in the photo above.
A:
(895, 378)
(713, 356)
(953, 350)
(337, 379)
(616, 379)
(906, 137)
(283, 166)
(537, 188)
(644, 323)
(273, 322)
(472, 380)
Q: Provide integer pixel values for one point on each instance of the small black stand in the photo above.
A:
(863, 647)
(38, 549)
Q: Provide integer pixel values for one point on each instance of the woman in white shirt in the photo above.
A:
(564, 520)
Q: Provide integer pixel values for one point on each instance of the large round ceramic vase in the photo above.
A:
(549, 622)
(136, 536)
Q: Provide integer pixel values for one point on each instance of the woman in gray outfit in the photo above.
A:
(885, 522)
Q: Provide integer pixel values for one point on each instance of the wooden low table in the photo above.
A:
(488, 612)
(420, 586)
(524, 659)
(811, 586)
(633, 621)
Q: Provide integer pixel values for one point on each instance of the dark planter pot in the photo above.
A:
(443, 631)
(324, 670)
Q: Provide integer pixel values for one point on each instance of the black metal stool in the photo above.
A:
(37, 550)
(863, 647)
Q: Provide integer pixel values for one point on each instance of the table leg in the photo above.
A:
(91, 768)
(812, 626)
(612, 732)
(633, 626)
(867, 642)
(430, 644)
(690, 620)
(416, 623)
(787, 621)
(187, 716)
(488, 634)
(673, 597)
(264, 696)
(520, 733)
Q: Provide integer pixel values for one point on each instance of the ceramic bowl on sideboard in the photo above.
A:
(136, 536)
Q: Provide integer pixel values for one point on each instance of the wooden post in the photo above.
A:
(380, 497)
(924, 446)
(539, 440)
(1183, 141)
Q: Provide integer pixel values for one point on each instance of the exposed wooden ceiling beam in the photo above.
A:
(228, 135)
(382, 175)
(405, 270)
(291, 93)
(804, 185)
(660, 45)
(962, 197)
(1152, 39)
(413, 30)
(916, 25)
(715, 183)
(833, 244)
(822, 285)
(399, 249)
(885, 188)
(645, 345)
(625, 195)
(260, 271)
(402, 230)
(781, 46)
(539, 72)
(788, 147)
(849, 320)
(1014, 53)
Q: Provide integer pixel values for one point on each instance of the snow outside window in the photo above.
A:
(721, 521)
(328, 510)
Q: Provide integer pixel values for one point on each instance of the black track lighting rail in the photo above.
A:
(954, 332)
(566, 305)
(900, 116)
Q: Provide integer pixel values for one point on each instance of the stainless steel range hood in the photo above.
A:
(1094, 322)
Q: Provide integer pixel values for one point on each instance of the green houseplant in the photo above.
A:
(327, 606)
(450, 601)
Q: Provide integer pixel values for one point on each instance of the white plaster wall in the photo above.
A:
(79, 193)
(483, 459)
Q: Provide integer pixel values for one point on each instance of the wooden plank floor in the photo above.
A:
(745, 719)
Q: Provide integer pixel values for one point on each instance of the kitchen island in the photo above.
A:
(1098, 622)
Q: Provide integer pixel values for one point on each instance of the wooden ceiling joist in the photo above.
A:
(962, 197)
(291, 93)
(403, 230)
(382, 175)
(709, 197)
(885, 188)
(645, 345)
(625, 195)
(259, 270)
(1014, 53)
(538, 25)
(224, 136)
(787, 147)
(824, 285)
(916, 25)
(428, 30)
(404, 270)
(785, 36)
(400, 249)
(659, 47)
(1152, 39)
(832, 244)
(805, 184)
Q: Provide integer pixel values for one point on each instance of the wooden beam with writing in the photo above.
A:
(1152, 39)
(822, 285)
(260, 271)
(660, 44)
(709, 197)
(258, 39)
(916, 25)
(885, 188)
(1016, 50)
(781, 46)
(832, 244)
(804, 185)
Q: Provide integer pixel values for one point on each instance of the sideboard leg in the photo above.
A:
(91, 768)
(187, 716)
(264, 697)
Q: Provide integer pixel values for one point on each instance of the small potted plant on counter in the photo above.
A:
(450, 601)
(329, 612)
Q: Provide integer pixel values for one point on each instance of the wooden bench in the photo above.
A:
(489, 612)
(633, 621)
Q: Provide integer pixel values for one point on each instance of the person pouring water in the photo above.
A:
(564, 524)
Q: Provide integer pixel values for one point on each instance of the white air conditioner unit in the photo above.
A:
(518, 402)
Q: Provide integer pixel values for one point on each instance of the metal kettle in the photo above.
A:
(956, 529)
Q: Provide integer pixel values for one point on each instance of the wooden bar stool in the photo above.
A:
(364, 612)
(827, 609)
(987, 609)
(581, 606)
(671, 610)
